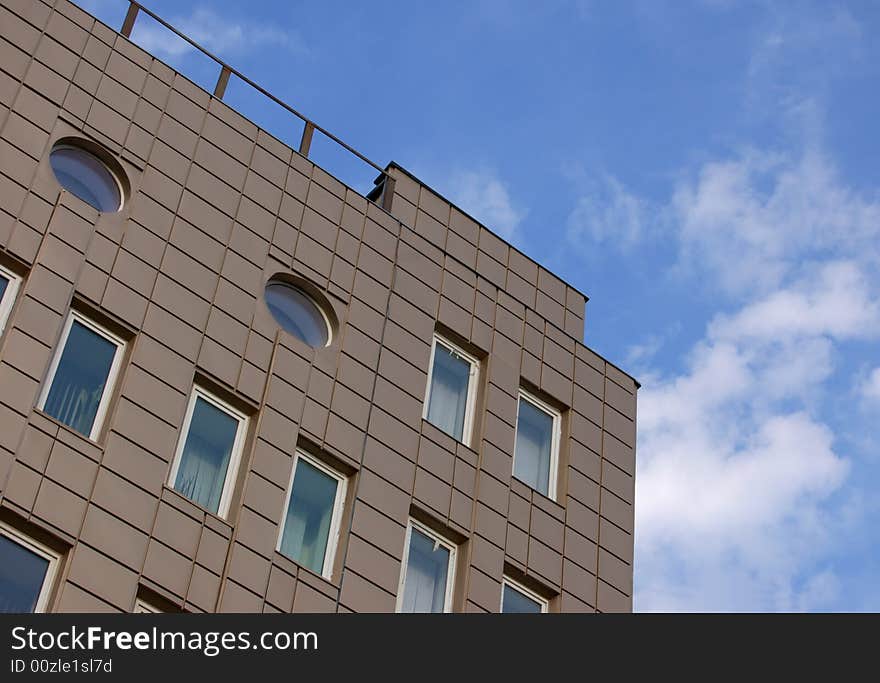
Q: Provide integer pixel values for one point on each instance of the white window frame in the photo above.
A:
(336, 516)
(450, 570)
(43, 551)
(555, 439)
(112, 375)
(530, 594)
(234, 457)
(473, 379)
(141, 606)
(8, 300)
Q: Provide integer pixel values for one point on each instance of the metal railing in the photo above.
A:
(384, 190)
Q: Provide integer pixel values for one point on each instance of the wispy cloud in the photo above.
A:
(485, 196)
(754, 219)
(870, 389)
(796, 53)
(607, 213)
(224, 36)
(834, 299)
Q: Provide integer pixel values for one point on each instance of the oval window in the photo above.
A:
(297, 313)
(84, 175)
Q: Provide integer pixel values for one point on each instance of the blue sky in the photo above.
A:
(706, 171)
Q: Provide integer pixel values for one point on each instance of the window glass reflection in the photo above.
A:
(85, 176)
(204, 461)
(22, 573)
(309, 516)
(80, 378)
(426, 575)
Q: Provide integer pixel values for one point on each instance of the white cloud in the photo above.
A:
(753, 220)
(835, 299)
(224, 36)
(483, 195)
(737, 462)
(608, 213)
(730, 484)
(750, 222)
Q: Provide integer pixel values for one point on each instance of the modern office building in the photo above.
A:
(230, 382)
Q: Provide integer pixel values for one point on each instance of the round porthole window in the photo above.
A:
(86, 176)
(298, 313)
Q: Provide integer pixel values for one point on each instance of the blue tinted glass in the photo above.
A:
(515, 602)
(206, 453)
(85, 176)
(297, 313)
(307, 527)
(79, 381)
(4, 282)
(447, 401)
(534, 443)
(21, 577)
(426, 569)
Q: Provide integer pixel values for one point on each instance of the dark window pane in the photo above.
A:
(206, 454)
(516, 602)
(85, 176)
(447, 400)
(4, 282)
(309, 514)
(534, 444)
(79, 380)
(426, 570)
(297, 313)
(21, 577)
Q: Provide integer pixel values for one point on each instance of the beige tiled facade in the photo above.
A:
(215, 208)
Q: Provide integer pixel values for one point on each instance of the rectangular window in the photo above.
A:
(451, 390)
(517, 599)
(27, 571)
(9, 283)
(208, 452)
(426, 577)
(536, 451)
(310, 529)
(80, 382)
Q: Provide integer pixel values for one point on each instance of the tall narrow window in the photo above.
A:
(536, 450)
(9, 282)
(517, 599)
(451, 392)
(310, 529)
(80, 383)
(27, 569)
(208, 452)
(427, 573)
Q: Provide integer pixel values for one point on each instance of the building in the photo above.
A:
(241, 385)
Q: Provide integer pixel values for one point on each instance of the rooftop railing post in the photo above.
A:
(130, 16)
(306, 141)
(222, 82)
(135, 7)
